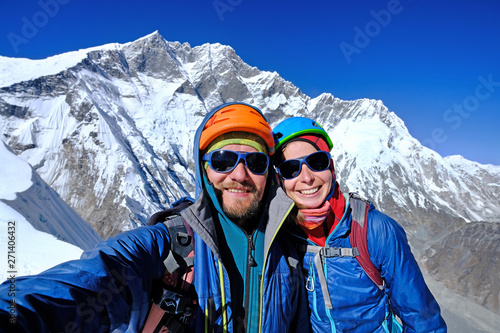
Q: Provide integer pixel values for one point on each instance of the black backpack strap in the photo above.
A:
(181, 244)
(358, 237)
(176, 208)
(176, 307)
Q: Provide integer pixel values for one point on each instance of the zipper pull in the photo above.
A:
(251, 247)
(251, 261)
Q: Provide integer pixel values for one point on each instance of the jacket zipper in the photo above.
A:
(250, 263)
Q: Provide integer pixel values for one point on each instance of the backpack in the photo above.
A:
(358, 238)
(174, 300)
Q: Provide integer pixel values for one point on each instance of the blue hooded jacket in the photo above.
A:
(357, 303)
(109, 288)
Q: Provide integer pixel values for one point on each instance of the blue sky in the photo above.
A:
(434, 63)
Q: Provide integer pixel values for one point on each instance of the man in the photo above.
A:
(244, 275)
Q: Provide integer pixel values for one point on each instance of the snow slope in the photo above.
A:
(31, 250)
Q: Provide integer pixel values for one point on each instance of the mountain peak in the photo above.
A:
(150, 38)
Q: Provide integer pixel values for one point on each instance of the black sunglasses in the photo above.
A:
(318, 161)
(224, 161)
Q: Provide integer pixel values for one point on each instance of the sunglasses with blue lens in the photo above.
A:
(224, 161)
(318, 161)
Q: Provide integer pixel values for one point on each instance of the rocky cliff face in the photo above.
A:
(112, 134)
(468, 261)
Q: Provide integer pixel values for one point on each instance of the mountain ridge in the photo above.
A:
(112, 134)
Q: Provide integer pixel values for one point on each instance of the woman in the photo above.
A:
(342, 297)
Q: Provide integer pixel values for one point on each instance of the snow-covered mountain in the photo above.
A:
(110, 129)
(43, 229)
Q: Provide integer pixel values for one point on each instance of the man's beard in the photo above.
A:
(239, 212)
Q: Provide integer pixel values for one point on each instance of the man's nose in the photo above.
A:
(240, 172)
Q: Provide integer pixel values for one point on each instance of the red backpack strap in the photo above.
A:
(358, 237)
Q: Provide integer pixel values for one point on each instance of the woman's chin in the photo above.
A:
(309, 204)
